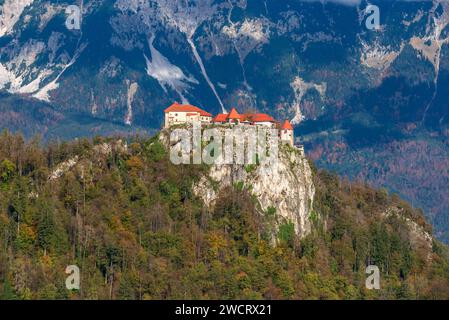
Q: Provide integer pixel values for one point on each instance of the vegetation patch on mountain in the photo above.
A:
(130, 220)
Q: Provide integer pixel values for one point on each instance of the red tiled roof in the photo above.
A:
(249, 117)
(176, 107)
(220, 118)
(287, 125)
(259, 117)
(234, 114)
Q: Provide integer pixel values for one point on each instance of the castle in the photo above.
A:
(183, 113)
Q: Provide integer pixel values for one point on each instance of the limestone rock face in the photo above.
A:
(420, 239)
(284, 185)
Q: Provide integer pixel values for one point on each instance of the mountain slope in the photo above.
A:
(131, 221)
(352, 92)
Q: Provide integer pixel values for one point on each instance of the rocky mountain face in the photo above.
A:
(132, 222)
(369, 104)
(283, 188)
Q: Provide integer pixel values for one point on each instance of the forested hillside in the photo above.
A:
(129, 219)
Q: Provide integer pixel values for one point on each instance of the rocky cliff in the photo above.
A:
(130, 59)
(130, 220)
(283, 188)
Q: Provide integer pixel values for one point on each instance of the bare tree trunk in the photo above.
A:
(112, 281)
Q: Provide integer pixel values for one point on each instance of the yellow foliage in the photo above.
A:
(135, 164)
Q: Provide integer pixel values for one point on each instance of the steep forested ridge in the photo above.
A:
(129, 219)
(371, 104)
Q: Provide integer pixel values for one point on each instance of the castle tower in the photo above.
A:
(234, 116)
(287, 134)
